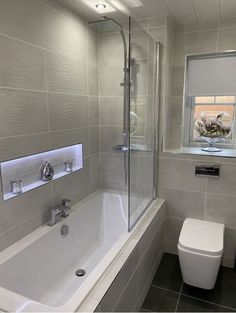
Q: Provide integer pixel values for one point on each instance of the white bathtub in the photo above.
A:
(38, 272)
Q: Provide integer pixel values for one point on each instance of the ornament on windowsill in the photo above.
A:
(212, 129)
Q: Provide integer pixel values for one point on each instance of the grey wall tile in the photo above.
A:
(142, 76)
(108, 86)
(64, 35)
(225, 185)
(193, 43)
(23, 20)
(22, 112)
(167, 82)
(93, 103)
(24, 69)
(111, 111)
(138, 169)
(175, 116)
(221, 209)
(169, 46)
(227, 23)
(143, 22)
(92, 46)
(183, 204)
(159, 34)
(15, 147)
(94, 140)
(66, 74)
(67, 111)
(118, 185)
(65, 138)
(94, 169)
(112, 167)
(178, 81)
(70, 186)
(173, 137)
(60, 8)
(139, 44)
(226, 39)
(157, 21)
(110, 137)
(180, 175)
(25, 206)
(196, 27)
(93, 80)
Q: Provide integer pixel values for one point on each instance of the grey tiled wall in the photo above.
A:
(48, 99)
(187, 195)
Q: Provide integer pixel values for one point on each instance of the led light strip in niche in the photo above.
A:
(24, 174)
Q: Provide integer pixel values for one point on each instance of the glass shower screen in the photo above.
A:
(127, 76)
(143, 120)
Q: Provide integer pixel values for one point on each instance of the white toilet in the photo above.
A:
(200, 251)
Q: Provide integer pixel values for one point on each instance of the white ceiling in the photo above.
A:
(183, 11)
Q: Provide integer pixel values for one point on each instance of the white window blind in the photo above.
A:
(214, 75)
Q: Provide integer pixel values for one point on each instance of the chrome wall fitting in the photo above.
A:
(16, 187)
(68, 167)
(47, 172)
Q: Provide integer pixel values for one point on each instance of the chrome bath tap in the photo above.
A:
(59, 210)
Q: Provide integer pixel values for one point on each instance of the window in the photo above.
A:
(210, 99)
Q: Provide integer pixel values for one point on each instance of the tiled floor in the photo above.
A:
(168, 293)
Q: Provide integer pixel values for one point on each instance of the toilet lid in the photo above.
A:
(202, 236)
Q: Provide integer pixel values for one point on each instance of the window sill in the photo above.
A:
(227, 153)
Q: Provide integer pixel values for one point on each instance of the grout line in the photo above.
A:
(155, 286)
(87, 89)
(218, 28)
(195, 12)
(199, 299)
(26, 43)
(177, 304)
(205, 199)
(50, 92)
(47, 98)
(46, 132)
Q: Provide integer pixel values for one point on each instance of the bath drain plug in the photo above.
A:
(80, 272)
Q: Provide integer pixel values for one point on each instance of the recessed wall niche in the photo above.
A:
(28, 169)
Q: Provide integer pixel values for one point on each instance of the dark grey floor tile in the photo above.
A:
(159, 300)
(187, 304)
(169, 274)
(223, 293)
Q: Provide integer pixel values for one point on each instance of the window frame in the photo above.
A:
(188, 112)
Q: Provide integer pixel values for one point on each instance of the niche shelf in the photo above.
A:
(28, 168)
